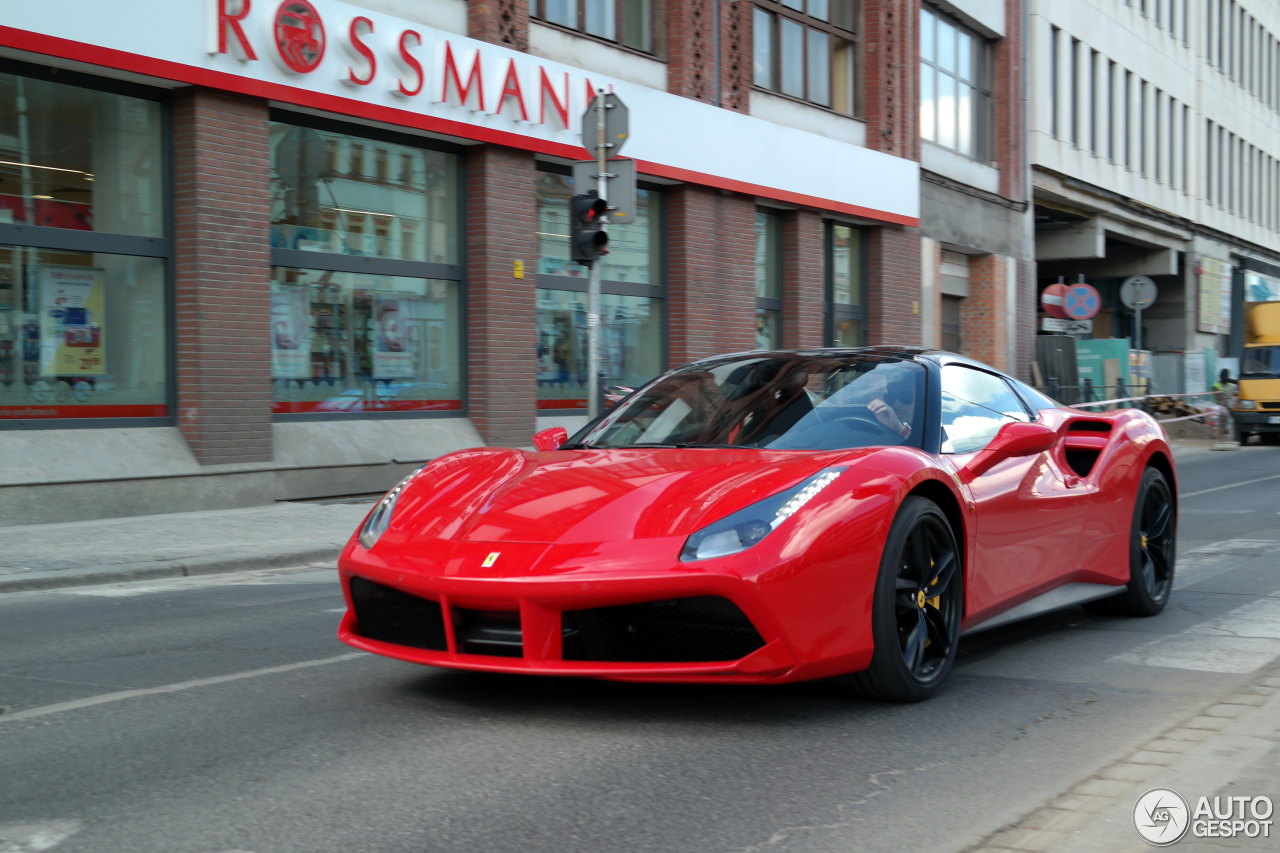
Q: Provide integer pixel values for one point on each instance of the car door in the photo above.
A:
(1026, 510)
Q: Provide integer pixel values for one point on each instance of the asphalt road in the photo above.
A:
(218, 714)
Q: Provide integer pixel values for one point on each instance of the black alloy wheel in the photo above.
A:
(918, 607)
(1152, 548)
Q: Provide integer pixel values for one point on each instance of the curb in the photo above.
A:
(58, 578)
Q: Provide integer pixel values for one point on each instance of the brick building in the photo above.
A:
(259, 250)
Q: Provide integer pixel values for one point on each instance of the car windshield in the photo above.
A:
(1261, 363)
(779, 401)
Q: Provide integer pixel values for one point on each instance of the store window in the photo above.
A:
(846, 287)
(626, 22)
(955, 86)
(632, 304)
(768, 280)
(808, 49)
(366, 292)
(84, 257)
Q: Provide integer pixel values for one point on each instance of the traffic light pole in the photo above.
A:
(593, 282)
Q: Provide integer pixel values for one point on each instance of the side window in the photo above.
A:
(975, 405)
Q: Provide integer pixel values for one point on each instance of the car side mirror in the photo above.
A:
(550, 438)
(1016, 438)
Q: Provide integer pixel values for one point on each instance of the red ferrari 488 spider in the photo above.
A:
(768, 517)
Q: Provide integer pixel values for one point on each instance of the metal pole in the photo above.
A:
(593, 283)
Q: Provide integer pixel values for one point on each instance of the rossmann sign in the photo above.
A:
(344, 59)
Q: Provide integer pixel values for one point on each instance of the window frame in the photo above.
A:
(369, 265)
(656, 19)
(834, 312)
(108, 243)
(779, 11)
(980, 87)
(770, 305)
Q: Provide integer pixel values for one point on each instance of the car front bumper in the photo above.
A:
(603, 611)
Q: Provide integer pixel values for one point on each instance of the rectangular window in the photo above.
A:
(626, 22)
(955, 89)
(84, 251)
(366, 290)
(768, 263)
(632, 306)
(314, 209)
(807, 49)
(345, 342)
(846, 285)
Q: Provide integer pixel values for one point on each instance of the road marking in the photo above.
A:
(1229, 486)
(29, 837)
(121, 695)
(1209, 560)
(1241, 640)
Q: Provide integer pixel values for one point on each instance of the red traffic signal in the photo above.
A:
(587, 216)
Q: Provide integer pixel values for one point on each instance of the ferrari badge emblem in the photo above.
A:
(491, 559)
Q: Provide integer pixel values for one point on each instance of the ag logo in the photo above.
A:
(1161, 817)
(299, 35)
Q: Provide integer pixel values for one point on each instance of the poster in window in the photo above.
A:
(393, 356)
(72, 321)
(290, 333)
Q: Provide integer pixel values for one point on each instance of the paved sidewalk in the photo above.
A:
(46, 556)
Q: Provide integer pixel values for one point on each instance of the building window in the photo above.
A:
(84, 254)
(846, 286)
(626, 22)
(632, 303)
(808, 49)
(951, 323)
(768, 280)
(955, 87)
(366, 290)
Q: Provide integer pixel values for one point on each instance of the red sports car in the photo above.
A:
(769, 517)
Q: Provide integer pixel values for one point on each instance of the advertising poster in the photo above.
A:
(1215, 296)
(392, 354)
(290, 333)
(71, 321)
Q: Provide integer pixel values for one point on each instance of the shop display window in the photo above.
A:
(630, 344)
(334, 193)
(367, 288)
(82, 335)
(349, 342)
(633, 331)
(84, 254)
(77, 158)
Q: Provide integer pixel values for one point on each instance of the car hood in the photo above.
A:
(569, 496)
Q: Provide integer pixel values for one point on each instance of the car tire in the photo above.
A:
(917, 607)
(1242, 437)
(1270, 437)
(1152, 549)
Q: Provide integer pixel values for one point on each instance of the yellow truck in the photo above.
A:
(1256, 407)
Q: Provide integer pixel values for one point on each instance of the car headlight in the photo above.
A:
(380, 519)
(1246, 404)
(748, 526)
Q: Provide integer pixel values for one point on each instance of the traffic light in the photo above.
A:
(587, 215)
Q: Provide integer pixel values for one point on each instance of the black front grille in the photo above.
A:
(391, 616)
(700, 629)
(488, 632)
